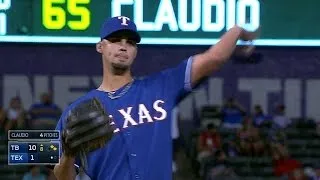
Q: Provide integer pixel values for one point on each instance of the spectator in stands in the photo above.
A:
(219, 168)
(16, 115)
(232, 114)
(250, 140)
(34, 174)
(209, 141)
(276, 133)
(259, 118)
(280, 121)
(44, 115)
(284, 165)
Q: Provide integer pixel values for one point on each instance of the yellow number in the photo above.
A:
(53, 17)
(83, 12)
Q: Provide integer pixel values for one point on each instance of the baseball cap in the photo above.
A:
(118, 24)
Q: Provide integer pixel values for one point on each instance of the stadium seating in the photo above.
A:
(302, 142)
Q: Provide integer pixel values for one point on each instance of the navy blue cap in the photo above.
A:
(117, 24)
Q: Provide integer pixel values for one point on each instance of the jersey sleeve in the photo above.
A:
(177, 80)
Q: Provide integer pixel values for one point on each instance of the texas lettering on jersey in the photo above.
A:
(143, 113)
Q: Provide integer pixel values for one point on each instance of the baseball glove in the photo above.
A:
(88, 128)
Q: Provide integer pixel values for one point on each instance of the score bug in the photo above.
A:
(24, 153)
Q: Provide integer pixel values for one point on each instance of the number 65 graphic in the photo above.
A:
(55, 17)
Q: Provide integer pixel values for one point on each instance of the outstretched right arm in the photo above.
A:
(212, 59)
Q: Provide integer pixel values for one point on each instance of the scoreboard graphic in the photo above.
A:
(37, 147)
(169, 22)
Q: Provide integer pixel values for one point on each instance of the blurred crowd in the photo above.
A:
(41, 115)
(254, 134)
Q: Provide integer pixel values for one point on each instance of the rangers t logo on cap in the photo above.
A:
(124, 20)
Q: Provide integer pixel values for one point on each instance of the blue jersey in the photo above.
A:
(142, 145)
